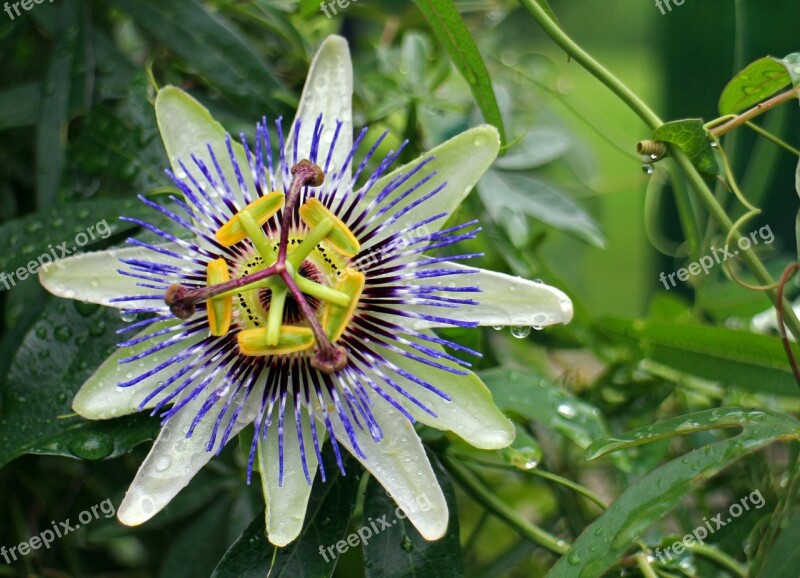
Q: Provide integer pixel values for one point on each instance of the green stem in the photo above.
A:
(772, 138)
(585, 492)
(653, 121)
(496, 506)
(719, 557)
(597, 70)
(644, 566)
(749, 257)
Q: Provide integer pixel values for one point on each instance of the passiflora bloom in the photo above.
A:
(303, 303)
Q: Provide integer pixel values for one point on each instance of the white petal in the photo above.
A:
(328, 91)
(187, 128)
(173, 461)
(399, 463)
(503, 300)
(460, 162)
(93, 277)
(471, 414)
(100, 397)
(286, 502)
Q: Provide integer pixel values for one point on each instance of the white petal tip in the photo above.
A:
(493, 438)
(135, 510)
(566, 310)
(432, 526)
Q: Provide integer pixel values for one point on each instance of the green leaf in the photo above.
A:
(681, 425)
(454, 36)
(753, 362)
(650, 498)
(511, 198)
(539, 146)
(19, 105)
(58, 353)
(211, 528)
(212, 47)
(690, 135)
(28, 243)
(97, 440)
(54, 112)
(399, 550)
(531, 397)
(759, 79)
(327, 517)
(783, 559)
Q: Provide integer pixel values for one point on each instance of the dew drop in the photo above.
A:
(573, 558)
(91, 446)
(647, 168)
(566, 410)
(61, 398)
(713, 144)
(162, 463)
(521, 331)
(84, 308)
(497, 327)
(479, 141)
(63, 333)
(34, 228)
(41, 333)
(127, 317)
(654, 156)
(97, 328)
(406, 544)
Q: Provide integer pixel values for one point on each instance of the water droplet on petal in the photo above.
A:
(162, 463)
(127, 317)
(497, 327)
(521, 331)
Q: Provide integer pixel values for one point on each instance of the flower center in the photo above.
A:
(291, 297)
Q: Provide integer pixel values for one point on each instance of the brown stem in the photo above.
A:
(181, 300)
(788, 273)
(757, 110)
(303, 173)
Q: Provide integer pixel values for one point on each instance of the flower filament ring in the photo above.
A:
(277, 302)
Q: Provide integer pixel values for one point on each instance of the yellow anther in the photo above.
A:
(291, 339)
(340, 237)
(219, 308)
(261, 209)
(335, 318)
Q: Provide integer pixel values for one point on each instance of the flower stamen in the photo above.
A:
(282, 278)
